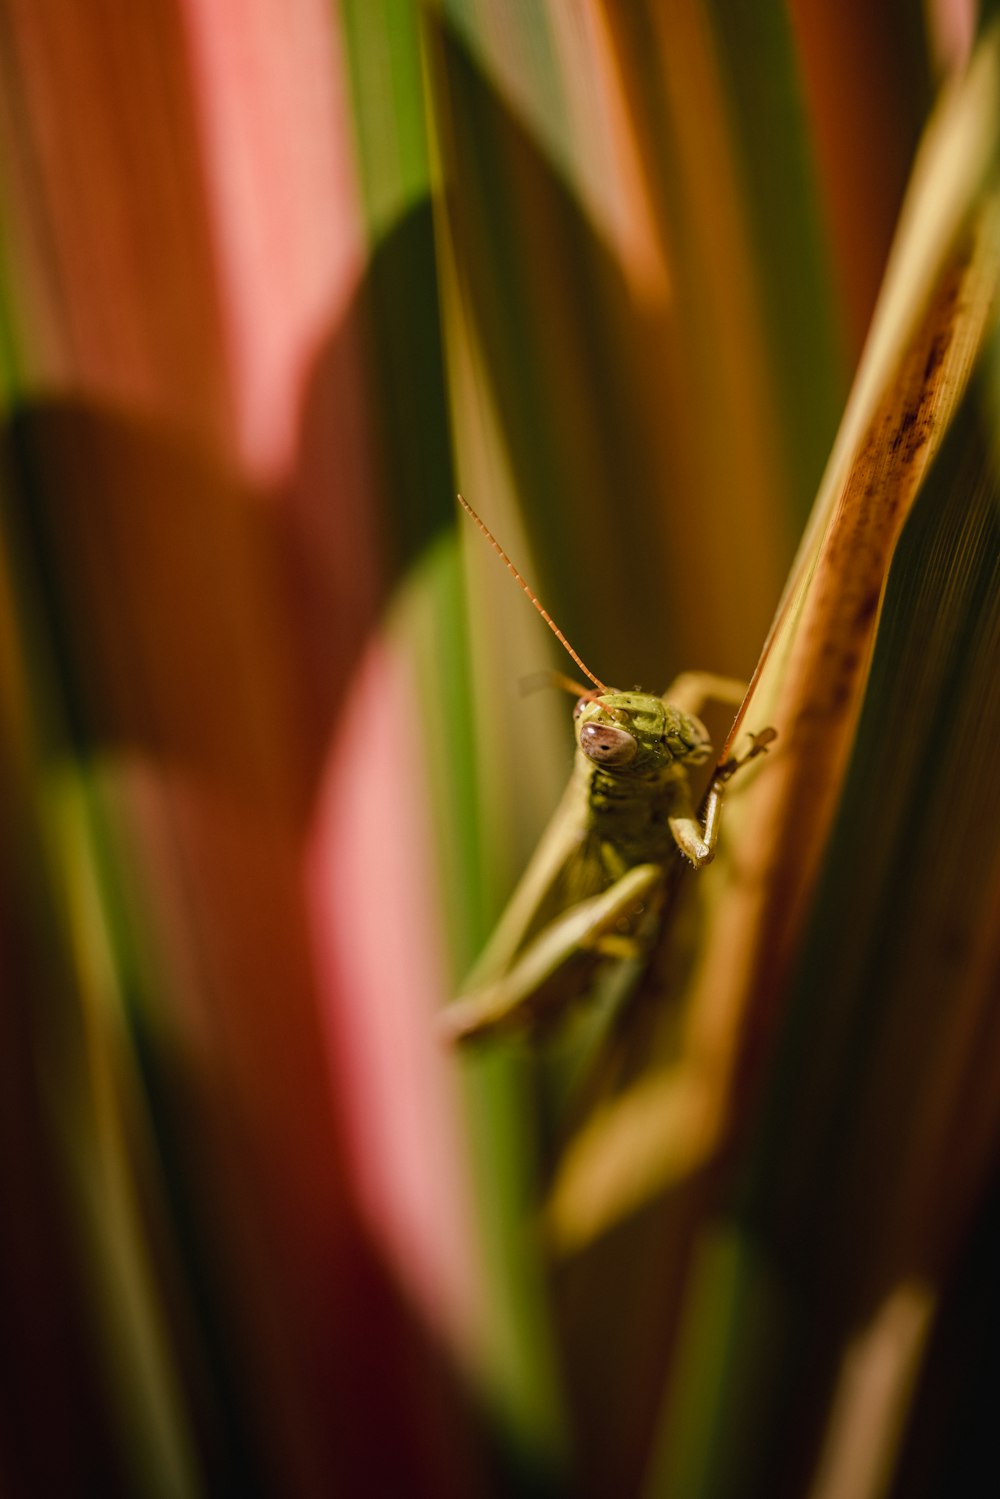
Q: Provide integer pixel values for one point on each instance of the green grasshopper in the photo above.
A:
(593, 891)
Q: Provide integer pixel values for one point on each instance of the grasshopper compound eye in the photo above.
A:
(606, 745)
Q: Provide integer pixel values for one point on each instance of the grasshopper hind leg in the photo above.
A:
(693, 690)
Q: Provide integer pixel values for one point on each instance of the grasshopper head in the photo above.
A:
(634, 731)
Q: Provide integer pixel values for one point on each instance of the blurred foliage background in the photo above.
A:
(277, 278)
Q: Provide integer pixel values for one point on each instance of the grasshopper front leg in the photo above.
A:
(695, 840)
(588, 932)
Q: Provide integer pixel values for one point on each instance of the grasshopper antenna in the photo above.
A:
(532, 596)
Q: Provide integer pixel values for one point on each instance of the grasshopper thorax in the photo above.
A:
(636, 733)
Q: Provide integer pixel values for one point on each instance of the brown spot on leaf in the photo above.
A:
(867, 607)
